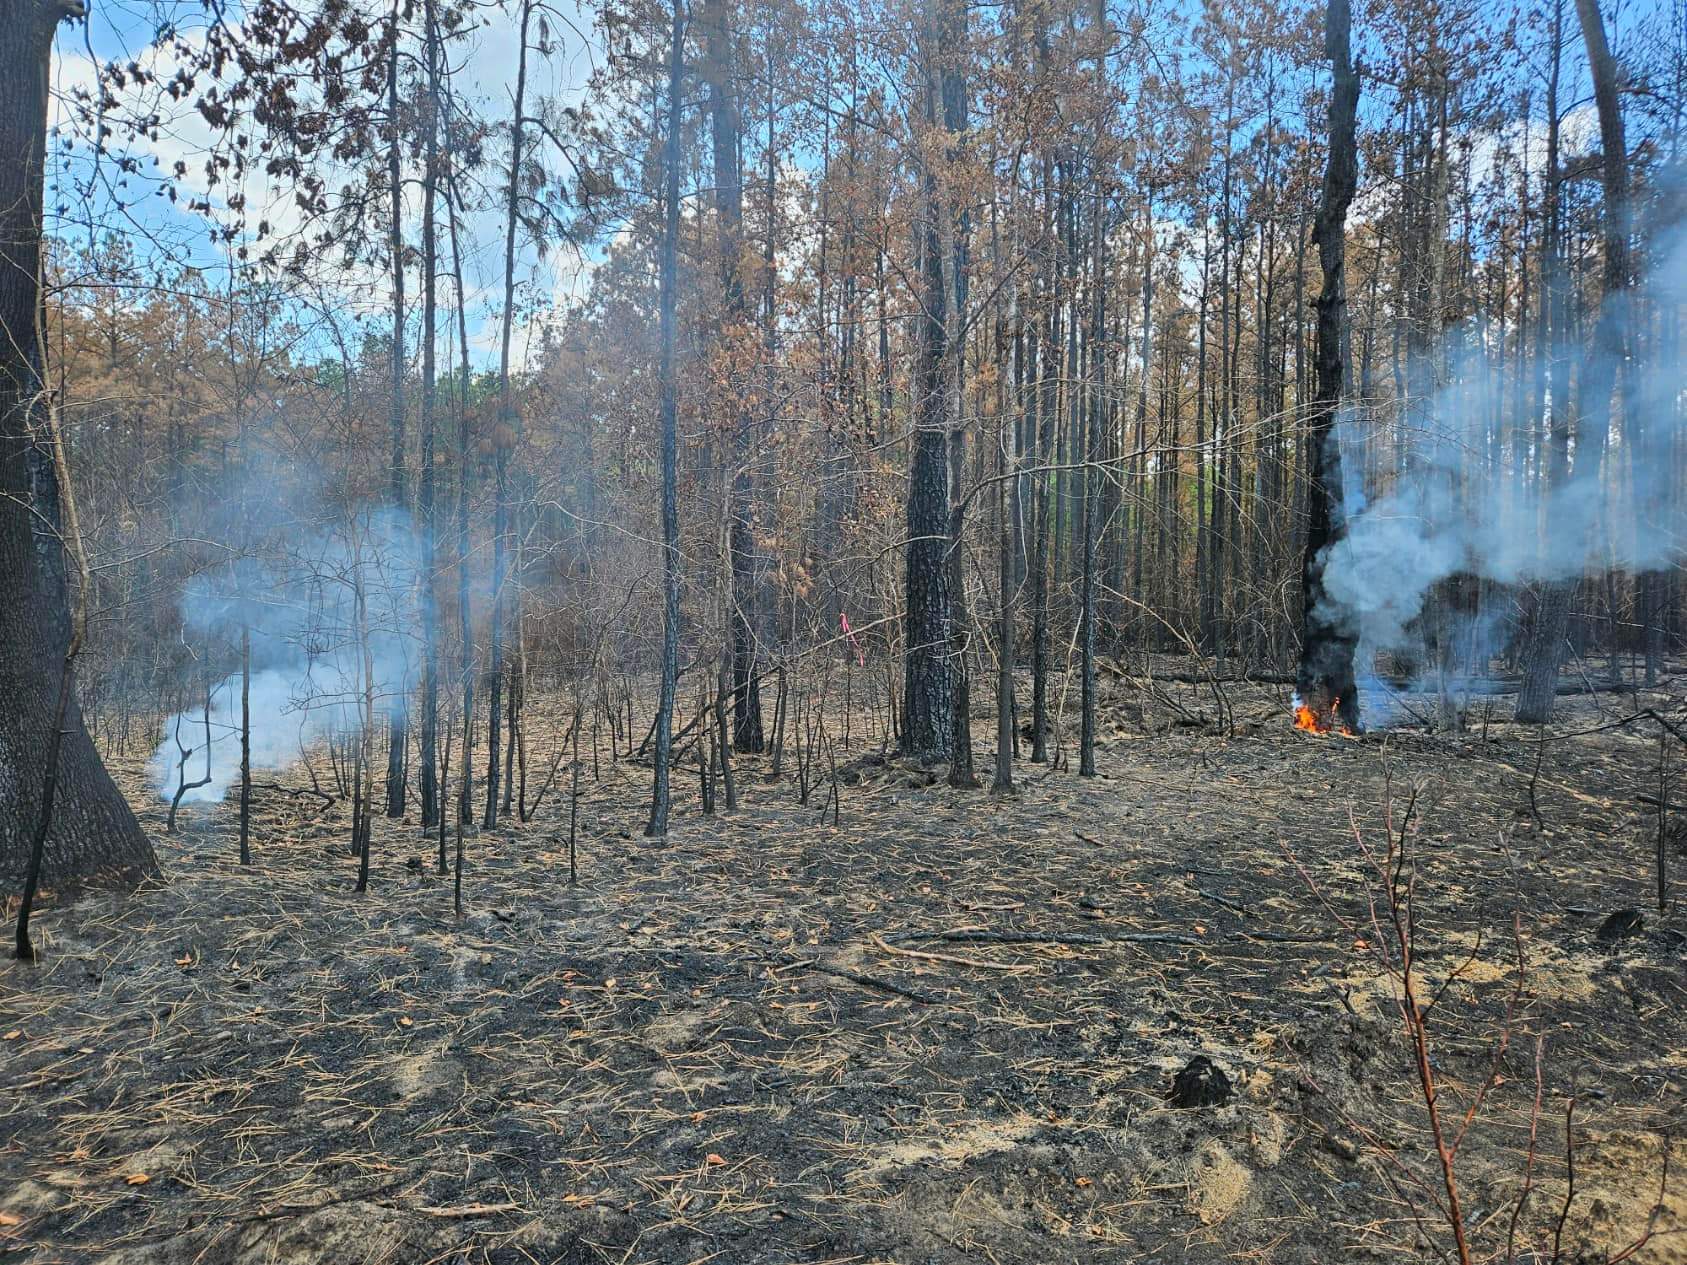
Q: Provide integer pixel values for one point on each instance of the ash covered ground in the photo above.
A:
(941, 1030)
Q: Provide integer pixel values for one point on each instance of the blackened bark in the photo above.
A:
(246, 745)
(1091, 511)
(1097, 407)
(50, 773)
(505, 436)
(395, 246)
(1325, 679)
(729, 219)
(928, 681)
(927, 690)
(429, 735)
(1007, 505)
(659, 795)
(1224, 511)
(465, 793)
(1086, 612)
(363, 807)
(1046, 390)
(961, 769)
(1139, 447)
(952, 49)
(1203, 525)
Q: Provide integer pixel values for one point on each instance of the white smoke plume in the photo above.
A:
(307, 682)
(1460, 506)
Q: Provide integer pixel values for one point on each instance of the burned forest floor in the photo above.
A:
(940, 1029)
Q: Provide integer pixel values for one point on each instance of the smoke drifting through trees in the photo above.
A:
(1461, 506)
(299, 608)
(938, 371)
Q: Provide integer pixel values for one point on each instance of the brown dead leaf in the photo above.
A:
(8, 1219)
(713, 1159)
(136, 1179)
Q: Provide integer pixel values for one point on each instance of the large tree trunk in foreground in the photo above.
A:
(93, 836)
(1324, 682)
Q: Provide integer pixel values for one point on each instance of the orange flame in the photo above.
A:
(1307, 719)
(1325, 720)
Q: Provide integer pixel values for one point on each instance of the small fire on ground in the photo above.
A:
(1315, 719)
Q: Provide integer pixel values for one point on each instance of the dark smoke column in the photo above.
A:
(1324, 680)
(92, 834)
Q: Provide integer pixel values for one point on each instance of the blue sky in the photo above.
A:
(91, 196)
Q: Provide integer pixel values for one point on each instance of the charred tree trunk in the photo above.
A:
(1007, 506)
(465, 610)
(729, 219)
(928, 683)
(1097, 406)
(1048, 370)
(246, 745)
(363, 809)
(62, 819)
(951, 30)
(504, 438)
(429, 735)
(659, 795)
(395, 182)
(1324, 681)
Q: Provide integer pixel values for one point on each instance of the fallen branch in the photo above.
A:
(470, 1210)
(953, 959)
(1243, 910)
(866, 981)
(1159, 937)
(997, 937)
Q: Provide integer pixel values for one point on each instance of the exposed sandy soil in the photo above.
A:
(924, 1035)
